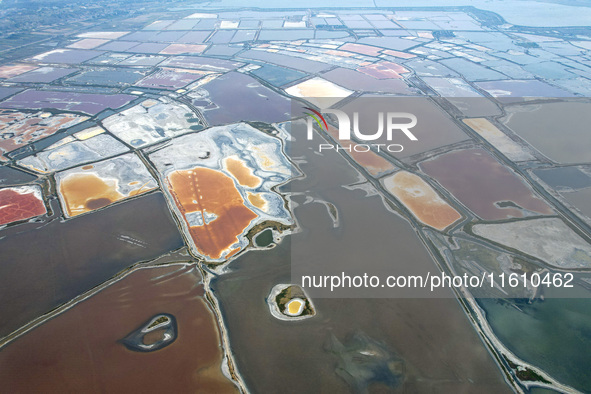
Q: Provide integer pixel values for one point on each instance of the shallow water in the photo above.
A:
(45, 267)
(430, 340)
(552, 335)
(240, 97)
(81, 347)
(558, 130)
(432, 337)
(481, 183)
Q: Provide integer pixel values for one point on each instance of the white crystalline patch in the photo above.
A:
(299, 24)
(149, 122)
(500, 92)
(549, 240)
(228, 25)
(416, 192)
(88, 43)
(71, 152)
(36, 190)
(319, 91)
(89, 133)
(196, 218)
(42, 56)
(110, 35)
(201, 15)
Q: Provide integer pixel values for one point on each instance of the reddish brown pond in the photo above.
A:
(78, 351)
(20, 203)
(211, 192)
(484, 185)
(47, 265)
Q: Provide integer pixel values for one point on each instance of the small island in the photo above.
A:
(155, 334)
(290, 302)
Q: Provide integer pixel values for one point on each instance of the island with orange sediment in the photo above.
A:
(220, 182)
(421, 200)
(290, 302)
(294, 307)
(202, 193)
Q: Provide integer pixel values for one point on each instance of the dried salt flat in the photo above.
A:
(74, 151)
(152, 121)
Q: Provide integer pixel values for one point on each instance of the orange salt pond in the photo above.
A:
(241, 172)
(294, 307)
(91, 187)
(498, 139)
(257, 200)
(87, 192)
(213, 210)
(371, 161)
(219, 183)
(420, 198)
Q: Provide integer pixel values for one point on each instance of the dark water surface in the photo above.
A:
(439, 349)
(45, 267)
(388, 344)
(553, 335)
(80, 349)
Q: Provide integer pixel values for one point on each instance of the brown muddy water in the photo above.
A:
(48, 266)
(558, 130)
(484, 185)
(353, 343)
(439, 349)
(434, 127)
(79, 350)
